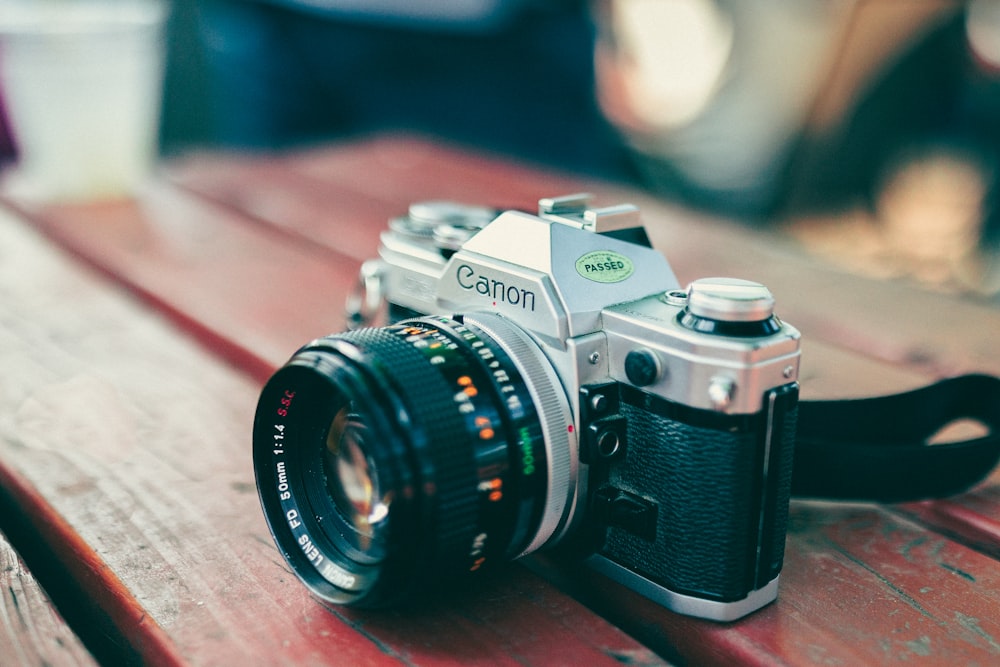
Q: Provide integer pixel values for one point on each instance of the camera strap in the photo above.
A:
(880, 449)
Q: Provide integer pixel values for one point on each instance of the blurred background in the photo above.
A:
(867, 129)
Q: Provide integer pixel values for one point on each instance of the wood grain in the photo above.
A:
(860, 587)
(149, 460)
(31, 631)
(340, 197)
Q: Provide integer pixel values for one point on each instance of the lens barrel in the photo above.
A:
(390, 459)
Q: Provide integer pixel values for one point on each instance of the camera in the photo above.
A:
(539, 381)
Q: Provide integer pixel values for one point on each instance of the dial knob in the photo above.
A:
(730, 300)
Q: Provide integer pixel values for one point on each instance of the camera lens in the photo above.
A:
(390, 459)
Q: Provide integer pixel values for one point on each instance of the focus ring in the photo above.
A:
(442, 430)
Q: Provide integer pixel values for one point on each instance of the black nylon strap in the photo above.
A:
(875, 449)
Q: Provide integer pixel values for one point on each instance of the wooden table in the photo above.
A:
(134, 337)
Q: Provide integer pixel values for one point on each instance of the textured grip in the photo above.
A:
(783, 449)
(721, 491)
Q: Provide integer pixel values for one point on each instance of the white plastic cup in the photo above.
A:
(82, 83)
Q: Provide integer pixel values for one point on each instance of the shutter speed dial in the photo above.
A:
(729, 307)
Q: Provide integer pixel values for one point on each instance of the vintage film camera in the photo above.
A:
(543, 380)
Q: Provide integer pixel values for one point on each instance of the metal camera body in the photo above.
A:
(674, 439)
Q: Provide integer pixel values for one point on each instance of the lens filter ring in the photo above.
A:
(320, 541)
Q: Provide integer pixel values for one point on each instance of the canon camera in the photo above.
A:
(539, 380)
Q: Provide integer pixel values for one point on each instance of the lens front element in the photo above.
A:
(352, 480)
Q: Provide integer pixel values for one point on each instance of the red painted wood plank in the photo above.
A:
(860, 586)
(251, 298)
(345, 221)
(102, 591)
(341, 198)
(31, 630)
(375, 179)
(972, 518)
(401, 168)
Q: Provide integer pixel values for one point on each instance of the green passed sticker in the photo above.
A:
(605, 266)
